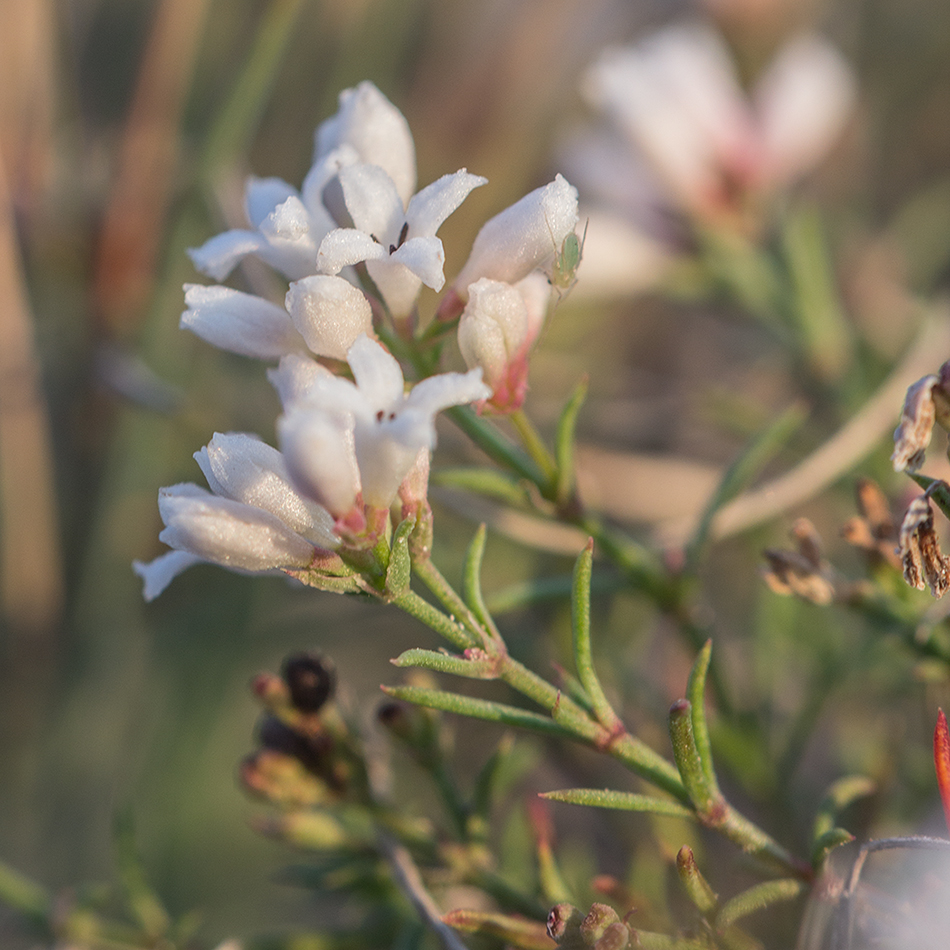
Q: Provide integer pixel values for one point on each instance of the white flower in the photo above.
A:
(396, 241)
(521, 238)
(388, 427)
(378, 132)
(287, 226)
(252, 520)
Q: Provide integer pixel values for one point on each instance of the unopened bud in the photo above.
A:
(282, 780)
(564, 921)
(615, 937)
(598, 919)
(311, 750)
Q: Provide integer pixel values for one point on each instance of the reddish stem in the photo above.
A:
(942, 762)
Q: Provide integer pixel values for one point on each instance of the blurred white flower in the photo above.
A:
(685, 142)
(345, 438)
(676, 97)
(252, 519)
(397, 241)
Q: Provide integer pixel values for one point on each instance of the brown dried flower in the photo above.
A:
(874, 530)
(804, 572)
(912, 435)
(923, 562)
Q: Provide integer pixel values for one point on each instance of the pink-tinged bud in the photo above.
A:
(522, 237)
(495, 333)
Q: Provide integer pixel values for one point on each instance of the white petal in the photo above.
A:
(263, 195)
(373, 202)
(295, 377)
(397, 285)
(803, 101)
(219, 255)
(245, 469)
(434, 203)
(227, 532)
(369, 122)
(377, 374)
(318, 451)
(291, 248)
(330, 314)
(239, 322)
(447, 389)
(387, 452)
(160, 572)
(482, 343)
(535, 290)
(346, 246)
(425, 257)
(515, 242)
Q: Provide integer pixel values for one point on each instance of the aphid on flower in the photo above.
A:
(563, 275)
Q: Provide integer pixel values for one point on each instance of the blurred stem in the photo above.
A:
(489, 438)
(240, 117)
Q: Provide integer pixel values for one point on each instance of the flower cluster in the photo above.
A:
(353, 440)
(684, 143)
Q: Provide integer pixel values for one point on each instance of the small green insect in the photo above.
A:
(563, 275)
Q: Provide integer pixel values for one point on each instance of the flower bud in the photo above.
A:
(522, 237)
(329, 313)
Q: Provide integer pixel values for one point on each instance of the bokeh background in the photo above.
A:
(127, 128)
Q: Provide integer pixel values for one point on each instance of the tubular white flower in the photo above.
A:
(369, 123)
(388, 427)
(228, 532)
(522, 237)
(397, 243)
(239, 322)
(318, 448)
(245, 469)
(330, 314)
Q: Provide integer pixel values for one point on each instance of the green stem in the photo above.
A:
(432, 617)
(432, 577)
(491, 440)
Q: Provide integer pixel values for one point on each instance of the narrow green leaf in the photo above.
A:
(564, 442)
(140, 897)
(705, 797)
(488, 779)
(697, 887)
(754, 457)
(479, 709)
(621, 801)
(824, 335)
(938, 491)
(696, 694)
(583, 656)
(483, 481)
(491, 440)
(399, 571)
(472, 580)
(831, 839)
(758, 897)
(431, 616)
(475, 665)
